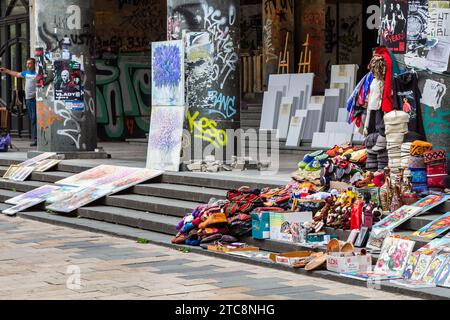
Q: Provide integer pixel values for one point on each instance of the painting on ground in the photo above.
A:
(435, 228)
(168, 73)
(164, 145)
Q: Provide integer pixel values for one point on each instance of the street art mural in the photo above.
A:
(65, 93)
(124, 32)
(210, 30)
(278, 20)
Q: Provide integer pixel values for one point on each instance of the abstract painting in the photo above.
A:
(435, 228)
(40, 193)
(168, 73)
(33, 161)
(132, 179)
(22, 206)
(164, 145)
(21, 174)
(79, 199)
(394, 256)
(421, 267)
(103, 174)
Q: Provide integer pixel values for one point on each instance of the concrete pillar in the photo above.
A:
(64, 49)
(278, 20)
(212, 65)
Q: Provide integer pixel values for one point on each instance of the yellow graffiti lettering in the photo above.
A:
(206, 130)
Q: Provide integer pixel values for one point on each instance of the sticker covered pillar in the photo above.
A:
(64, 51)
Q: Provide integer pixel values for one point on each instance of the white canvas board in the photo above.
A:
(271, 102)
(296, 128)
(320, 140)
(284, 117)
(302, 82)
(279, 80)
(339, 127)
(346, 73)
(313, 122)
(342, 115)
(331, 106)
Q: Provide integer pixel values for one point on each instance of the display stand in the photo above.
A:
(283, 65)
(304, 65)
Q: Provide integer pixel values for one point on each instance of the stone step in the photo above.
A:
(164, 240)
(251, 123)
(220, 182)
(180, 192)
(250, 117)
(24, 186)
(171, 207)
(50, 176)
(131, 218)
(7, 194)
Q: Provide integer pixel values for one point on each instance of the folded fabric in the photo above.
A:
(435, 156)
(418, 147)
(397, 128)
(419, 176)
(215, 220)
(396, 117)
(416, 162)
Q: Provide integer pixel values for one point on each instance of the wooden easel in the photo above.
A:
(283, 62)
(304, 66)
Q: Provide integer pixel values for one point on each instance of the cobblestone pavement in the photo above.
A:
(38, 260)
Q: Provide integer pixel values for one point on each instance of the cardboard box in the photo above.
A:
(230, 249)
(347, 262)
(280, 223)
(290, 258)
(261, 225)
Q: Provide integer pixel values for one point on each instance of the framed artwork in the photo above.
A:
(413, 284)
(443, 277)
(394, 256)
(11, 171)
(376, 239)
(168, 73)
(362, 238)
(421, 267)
(21, 174)
(353, 236)
(397, 218)
(428, 203)
(164, 141)
(435, 228)
(39, 193)
(33, 161)
(434, 268)
(45, 165)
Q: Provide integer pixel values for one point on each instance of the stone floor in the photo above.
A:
(41, 261)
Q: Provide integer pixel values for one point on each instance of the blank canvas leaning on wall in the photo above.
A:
(271, 103)
(284, 116)
(296, 128)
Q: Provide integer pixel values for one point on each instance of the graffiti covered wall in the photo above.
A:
(211, 30)
(124, 31)
(278, 20)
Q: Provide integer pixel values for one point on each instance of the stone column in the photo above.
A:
(64, 50)
(212, 32)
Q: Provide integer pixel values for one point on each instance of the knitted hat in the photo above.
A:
(397, 128)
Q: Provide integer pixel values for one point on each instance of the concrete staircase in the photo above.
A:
(150, 211)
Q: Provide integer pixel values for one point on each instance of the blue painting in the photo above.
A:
(168, 73)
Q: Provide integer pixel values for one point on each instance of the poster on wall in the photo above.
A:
(164, 141)
(68, 86)
(168, 73)
(417, 25)
(439, 20)
(394, 24)
(40, 67)
(433, 93)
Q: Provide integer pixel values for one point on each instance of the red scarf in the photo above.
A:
(388, 96)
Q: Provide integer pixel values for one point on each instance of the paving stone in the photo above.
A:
(285, 290)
